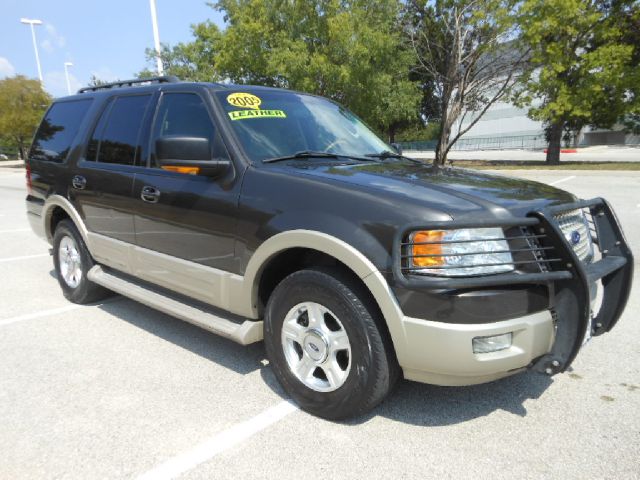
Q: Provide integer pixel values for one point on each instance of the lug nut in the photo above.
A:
(555, 363)
(549, 371)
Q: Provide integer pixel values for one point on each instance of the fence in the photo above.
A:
(519, 142)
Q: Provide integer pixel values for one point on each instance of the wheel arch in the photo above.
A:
(55, 209)
(329, 247)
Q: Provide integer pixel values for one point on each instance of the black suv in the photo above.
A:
(265, 213)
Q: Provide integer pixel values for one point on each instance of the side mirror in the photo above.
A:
(397, 147)
(190, 155)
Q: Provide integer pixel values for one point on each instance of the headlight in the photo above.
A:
(460, 253)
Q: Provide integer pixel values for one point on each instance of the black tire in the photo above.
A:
(85, 291)
(373, 369)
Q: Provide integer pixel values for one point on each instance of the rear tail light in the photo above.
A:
(28, 175)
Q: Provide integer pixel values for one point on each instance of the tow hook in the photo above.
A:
(552, 367)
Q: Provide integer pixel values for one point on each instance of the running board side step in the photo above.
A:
(243, 333)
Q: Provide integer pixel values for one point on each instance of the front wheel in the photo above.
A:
(324, 340)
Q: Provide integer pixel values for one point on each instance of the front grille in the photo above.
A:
(577, 233)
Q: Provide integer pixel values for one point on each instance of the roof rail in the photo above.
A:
(131, 83)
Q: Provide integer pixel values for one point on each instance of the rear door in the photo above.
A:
(188, 217)
(103, 181)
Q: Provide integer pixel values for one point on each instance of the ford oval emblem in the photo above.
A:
(575, 237)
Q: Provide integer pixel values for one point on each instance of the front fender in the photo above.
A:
(341, 251)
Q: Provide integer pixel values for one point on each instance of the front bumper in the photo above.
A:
(548, 341)
(442, 354)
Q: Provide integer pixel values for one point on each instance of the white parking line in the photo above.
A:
(16, 230)
(562, 180)
(24, 257)
(219, 443)
(43, 313)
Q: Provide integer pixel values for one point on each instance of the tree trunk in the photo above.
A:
(441, 148)
(392, 134)
(555, 139)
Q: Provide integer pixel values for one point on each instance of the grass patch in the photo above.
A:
(537, 165)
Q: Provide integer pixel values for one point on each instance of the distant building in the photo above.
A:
(507, 126)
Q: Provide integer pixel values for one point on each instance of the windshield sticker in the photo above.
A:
(244, 100)
(242, 114)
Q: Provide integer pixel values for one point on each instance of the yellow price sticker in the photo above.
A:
(244, 100)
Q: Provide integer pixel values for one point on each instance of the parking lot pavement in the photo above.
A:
(117, 390)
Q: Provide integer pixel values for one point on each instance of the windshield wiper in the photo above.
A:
(302, 154)
(389, 154)
(311, 154)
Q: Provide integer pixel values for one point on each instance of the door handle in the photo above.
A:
(79, 182)
(150, 194)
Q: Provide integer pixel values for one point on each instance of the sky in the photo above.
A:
(106, 39)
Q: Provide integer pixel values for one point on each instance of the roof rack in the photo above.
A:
(131, 83)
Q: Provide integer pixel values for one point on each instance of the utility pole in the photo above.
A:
(31, 22)
(66, 74)
(156, 36)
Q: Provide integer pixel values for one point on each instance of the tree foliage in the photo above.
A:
(581, 70)
(193, 61)
(465, 60)
(22, 104)
(351, 52)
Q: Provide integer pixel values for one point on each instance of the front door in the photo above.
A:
(185, 222)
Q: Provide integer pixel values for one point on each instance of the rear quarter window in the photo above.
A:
(58, 129)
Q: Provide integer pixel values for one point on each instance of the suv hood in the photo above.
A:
(458, 192)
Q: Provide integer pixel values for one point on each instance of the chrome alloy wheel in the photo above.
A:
(316, 347)
(70, 261)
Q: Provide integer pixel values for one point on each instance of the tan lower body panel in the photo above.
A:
(244, 333)
(442, 353)
(215, 287)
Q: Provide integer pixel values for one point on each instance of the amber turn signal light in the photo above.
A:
(426, 242)
(186, 170)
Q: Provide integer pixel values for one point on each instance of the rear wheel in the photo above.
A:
(72, 262)
(325, 343)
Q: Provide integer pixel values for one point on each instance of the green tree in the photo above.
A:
(351, 52)
(193, 61)
(22, 104)
(466, 61)
(581, 70)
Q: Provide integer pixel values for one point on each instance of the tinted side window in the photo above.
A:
(183, 114)
(58, 129)
(186, 114)
(116, 137)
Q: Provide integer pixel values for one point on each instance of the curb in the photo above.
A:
(12, 164)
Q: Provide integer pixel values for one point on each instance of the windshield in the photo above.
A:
(281, 123)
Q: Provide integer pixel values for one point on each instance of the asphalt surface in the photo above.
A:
(117, 390)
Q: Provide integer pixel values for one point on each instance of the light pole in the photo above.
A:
(66, 74)
(156, 36)
(33, 22)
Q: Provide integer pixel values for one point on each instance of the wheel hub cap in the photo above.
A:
(316, 347)
(70, 262)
